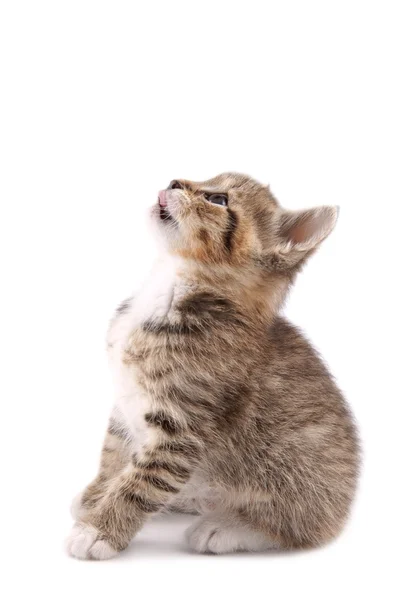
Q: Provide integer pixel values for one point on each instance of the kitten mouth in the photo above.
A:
(165, 215)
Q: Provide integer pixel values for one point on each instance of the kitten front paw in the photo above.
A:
(85, 542)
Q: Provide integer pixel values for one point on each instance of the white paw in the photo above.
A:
(76, 506)
(220, 536)
(83, 543)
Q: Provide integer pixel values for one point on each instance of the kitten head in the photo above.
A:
(235, 221)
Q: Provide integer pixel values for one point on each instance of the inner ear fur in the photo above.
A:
(305, 229)
(298, 234)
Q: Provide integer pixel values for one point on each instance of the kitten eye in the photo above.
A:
(221, 199)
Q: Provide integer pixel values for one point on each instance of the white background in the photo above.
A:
(102, 104)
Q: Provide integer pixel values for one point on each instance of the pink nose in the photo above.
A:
(162, 198)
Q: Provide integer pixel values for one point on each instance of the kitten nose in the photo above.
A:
(162, 198)
(175, 185)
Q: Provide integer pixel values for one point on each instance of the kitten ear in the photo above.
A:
(305, 229)
(299, 233)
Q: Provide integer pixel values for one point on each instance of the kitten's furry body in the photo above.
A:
(222, 407)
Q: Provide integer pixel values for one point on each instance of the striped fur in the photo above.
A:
(222, 407)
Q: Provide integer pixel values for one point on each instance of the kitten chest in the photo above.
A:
(125, 352)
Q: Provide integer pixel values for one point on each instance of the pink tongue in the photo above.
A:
(162, 198)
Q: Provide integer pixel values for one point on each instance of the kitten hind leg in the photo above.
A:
(221, 533)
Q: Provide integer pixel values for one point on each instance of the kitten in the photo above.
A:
(222, 407)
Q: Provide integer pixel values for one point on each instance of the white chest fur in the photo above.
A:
(153, 302)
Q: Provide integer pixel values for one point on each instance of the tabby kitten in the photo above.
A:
(222, 408)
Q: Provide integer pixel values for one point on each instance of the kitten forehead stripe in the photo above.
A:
(230, 229)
